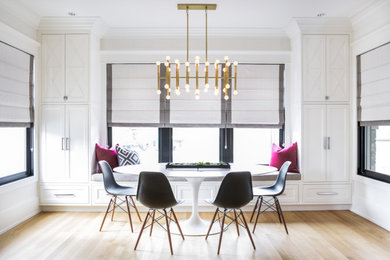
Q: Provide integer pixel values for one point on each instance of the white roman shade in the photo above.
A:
(15, 87)
(185, 110)
(259, 102)
(131, 95)
(374, 86)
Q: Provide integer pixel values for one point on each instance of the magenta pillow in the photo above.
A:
(106, 154)
(280, 155)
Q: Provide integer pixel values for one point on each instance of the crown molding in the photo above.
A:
(319, 25)
(64, 24)
(150, 33)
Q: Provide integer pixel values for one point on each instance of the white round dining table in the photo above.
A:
(194, 226)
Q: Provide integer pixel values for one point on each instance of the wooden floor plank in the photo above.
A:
(312, 235)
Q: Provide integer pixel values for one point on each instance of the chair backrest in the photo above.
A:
(154, 190)
(108, 177)
(280, 183)
(235, 190)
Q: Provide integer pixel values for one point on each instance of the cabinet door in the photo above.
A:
(77, 132)
(314, 54)
(314, 134)
(53, 68)
(77, 73)
(337, 62)
(338, 146)
(52, 149)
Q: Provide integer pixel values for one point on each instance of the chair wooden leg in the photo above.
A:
(222, 227)
(247, 229)
(128, 212)
(113, 209)
(281, 214)
(254, 209)
(105, 215)
(168, 231)
(277, 210)
(151, 225)
(142, 229)
(211, 224)
(177, 223)
(236, 220)
(258, 213)
(135, 207)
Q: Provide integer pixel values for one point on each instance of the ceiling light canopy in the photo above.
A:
(227, 74)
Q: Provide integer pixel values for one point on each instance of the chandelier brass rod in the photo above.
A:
(187, 35)
(206, 32)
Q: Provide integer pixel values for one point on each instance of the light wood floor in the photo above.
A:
(313, 235)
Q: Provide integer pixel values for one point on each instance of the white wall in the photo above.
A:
(19, 200)
(370, 197)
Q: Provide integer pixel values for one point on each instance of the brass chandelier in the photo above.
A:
(226, 67)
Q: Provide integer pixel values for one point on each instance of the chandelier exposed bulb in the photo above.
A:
(225, 75)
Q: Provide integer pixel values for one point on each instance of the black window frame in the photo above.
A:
(362, 171)
(165, 143)
(29, 160)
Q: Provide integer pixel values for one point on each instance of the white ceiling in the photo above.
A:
(164, 13)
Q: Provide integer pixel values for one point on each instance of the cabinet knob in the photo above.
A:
(65, 98)
(326, 97)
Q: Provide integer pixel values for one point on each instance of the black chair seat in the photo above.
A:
(155, 192)
(122, 190)
(117, 191)
(266, 191)
(271, 191)
(234, 193)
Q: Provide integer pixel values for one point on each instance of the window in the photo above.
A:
(374, 152)
(143, 140)
(195, 144)
(17, 113)
(253, 145)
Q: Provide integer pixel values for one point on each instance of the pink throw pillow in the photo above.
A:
(109, 155)
(280, 155)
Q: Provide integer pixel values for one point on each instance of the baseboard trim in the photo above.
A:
(27, 217)
(201, 208)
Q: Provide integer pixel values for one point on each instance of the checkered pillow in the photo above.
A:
(126, 156)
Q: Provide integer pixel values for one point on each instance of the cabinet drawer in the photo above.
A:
(326, 194)
(64, 195)
(290, 194)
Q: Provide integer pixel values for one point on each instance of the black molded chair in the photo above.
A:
(155, 192)
(272, 191)
(117, 191)
(234, 193)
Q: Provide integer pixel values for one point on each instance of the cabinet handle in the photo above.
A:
(65, 98)
(63, 143)
(67, 144)
(325, 142)
(328, 143)
(327, 193)
(64, 195)
(326, 97)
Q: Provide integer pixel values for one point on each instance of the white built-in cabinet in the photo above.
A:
(64, 143)
(65, 66)
(325, 145)
(325, 68)
(64, 119)
(325, 120)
